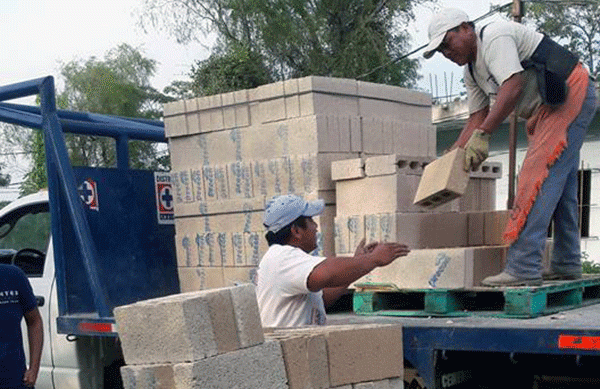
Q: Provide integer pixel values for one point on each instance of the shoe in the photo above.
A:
(505, 279)
(551, 275)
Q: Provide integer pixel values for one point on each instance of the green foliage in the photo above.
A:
(590, 267)
(281, 39)
(573, 23)
(118, 84)
(239, 68)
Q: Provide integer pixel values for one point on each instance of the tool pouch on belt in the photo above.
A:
(553, 64)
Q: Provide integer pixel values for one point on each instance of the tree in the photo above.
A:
(116, 85)
(574, 24)
(295, 38)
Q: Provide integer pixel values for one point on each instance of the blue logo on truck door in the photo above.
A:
(164, 198)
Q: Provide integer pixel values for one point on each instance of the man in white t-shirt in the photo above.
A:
(293, 286)
(523, 70)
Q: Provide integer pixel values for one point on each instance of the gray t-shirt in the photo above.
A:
(499, 55)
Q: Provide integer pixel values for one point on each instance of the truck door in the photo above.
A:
(24, 238)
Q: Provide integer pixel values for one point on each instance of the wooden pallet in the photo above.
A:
(511, 302)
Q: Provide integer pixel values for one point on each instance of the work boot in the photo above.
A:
(551, 275)
(505, 279)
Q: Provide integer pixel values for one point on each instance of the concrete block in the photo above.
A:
(356, 231)
(272, 110)
(393, 93)
(356, 143)
(249, 368)
(184, 248)
(178, 328)
(443, 180)
(395, 164)
(336, 86)
(489, 170)
(239, 175)
(197, 179)
(441, 268)
(471, 199)
(225, 249)
(239, 275)
(247, 316)
(323, 168)
(372, 135)
(239, 253)
(364, 354)
(379, 194)
(253, 248)
(192, 279)
(175, 126)
(347, 169)
(432, 230)
(341, 235)
(159, 376)
(494, 225)
(221, 182)
(475, 229)
(393, 383)
(305, 358)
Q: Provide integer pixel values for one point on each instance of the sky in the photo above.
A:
(39, 35)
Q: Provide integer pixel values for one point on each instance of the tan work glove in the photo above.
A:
(476, 150)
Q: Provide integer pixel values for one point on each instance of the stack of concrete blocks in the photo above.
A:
(454, 245)
(232, 152)
(342, 356)
(213, 339)
(198, 340)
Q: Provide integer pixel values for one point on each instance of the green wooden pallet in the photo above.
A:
(510, 302)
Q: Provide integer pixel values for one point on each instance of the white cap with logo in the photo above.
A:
(440, 24)
(283, 210)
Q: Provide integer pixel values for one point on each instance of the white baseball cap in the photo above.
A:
(440, 24)
(283, 210)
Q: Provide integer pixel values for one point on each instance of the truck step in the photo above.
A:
(508, 302)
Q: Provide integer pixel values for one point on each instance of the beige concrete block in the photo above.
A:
(225, 256)
(356, 143)
(388, 227)
(471, 199)
(372, 228)
(494, 225)
(175, 126)
(413, 139)
(440, 268)
(364, 354)
(239, 275)
(221, 182)
(253, 248)
(272, 110)
(337, 86)
(277, 177)
(393, 93)
(324, 161)
(174, 108)
(200, 278)
(325, 234)
(210, 183)
(185, 152)
(341, 235)
(379, 194)
(356, 231)
(443, 180)
(239, 249)
(476, 229)
(395, 164)
(197, 179)
(246, 314)
(184, 249)
(488, 195)
(372, 135)
(305, 359)
(240, 179)
(347, 169)
(432, 230)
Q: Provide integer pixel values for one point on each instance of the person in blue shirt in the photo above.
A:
(17, 301)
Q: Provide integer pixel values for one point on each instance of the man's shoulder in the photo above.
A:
(11, 270)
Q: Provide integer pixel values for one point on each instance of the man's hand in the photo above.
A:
(476, 150)
(30, 377)
(384, 253)
(361, 249)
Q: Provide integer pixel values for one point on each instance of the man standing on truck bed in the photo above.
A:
(293, 286)
(17, 301)
(545, 84)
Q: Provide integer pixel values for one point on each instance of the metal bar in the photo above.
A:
(123, 152)
(56, 152)
(21, 89)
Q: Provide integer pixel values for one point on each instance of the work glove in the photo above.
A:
(476, 150)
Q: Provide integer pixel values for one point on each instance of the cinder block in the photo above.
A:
(395, 164)
(432, 230)
(249, 368)
(305, 358)
(253, 248)
(347, 169)
(494, 225)
(364, 354)
(443, 180)
(239, 275)
(239, 253)
(175, 126)
(323, 168)
(240, 179)
(356, 231)
(247, 316)
(341, 235)
(356, 143)
(372, 135)
(184, 327)
(159, 376)
(225, 249)
(192, 279)
(392, 383)
(440, 268)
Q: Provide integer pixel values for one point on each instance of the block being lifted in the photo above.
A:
(443, 180)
